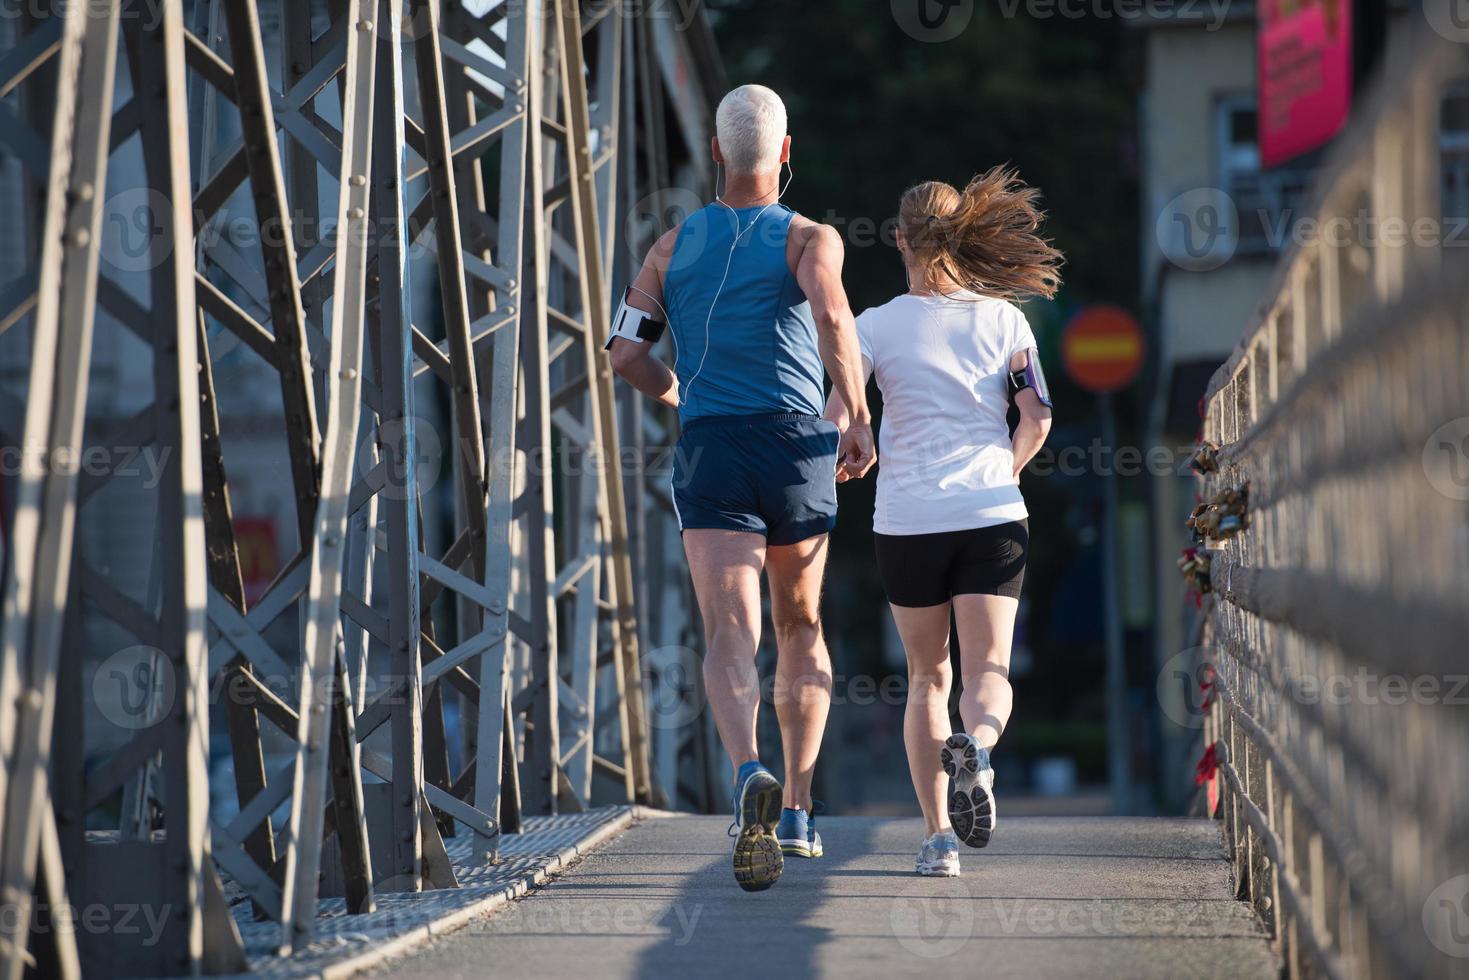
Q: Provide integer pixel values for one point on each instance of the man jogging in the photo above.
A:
(753, 295)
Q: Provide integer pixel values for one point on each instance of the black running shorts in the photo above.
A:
(930, 569)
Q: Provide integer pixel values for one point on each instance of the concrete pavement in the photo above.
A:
(1051, 897)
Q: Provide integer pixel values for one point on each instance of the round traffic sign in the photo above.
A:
(1102, 348)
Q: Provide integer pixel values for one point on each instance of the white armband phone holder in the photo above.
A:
(631, 323)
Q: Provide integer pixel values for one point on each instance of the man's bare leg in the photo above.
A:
(803, 666)
(725, 566)
(726, 570)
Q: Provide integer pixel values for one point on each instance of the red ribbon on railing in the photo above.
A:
(1207, 766)
(1206, 686)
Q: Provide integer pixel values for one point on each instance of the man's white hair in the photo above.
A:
(751, 125)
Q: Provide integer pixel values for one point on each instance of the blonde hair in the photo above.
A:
(985, 238)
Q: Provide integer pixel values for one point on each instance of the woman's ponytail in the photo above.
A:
(985, 239)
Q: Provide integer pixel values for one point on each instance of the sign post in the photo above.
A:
(1102, 350)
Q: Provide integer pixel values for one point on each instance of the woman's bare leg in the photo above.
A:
(986, 625)
(925, 633)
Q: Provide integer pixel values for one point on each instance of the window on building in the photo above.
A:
(1267, 201)
(1453, 145)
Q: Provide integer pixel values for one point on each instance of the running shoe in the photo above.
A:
(817, 809)
(939, 856)
(971, 790)
(797, 833)
(757, 855)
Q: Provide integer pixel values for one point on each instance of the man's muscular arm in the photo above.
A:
(633, 361)
(819, 273)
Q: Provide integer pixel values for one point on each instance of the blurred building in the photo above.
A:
(1216, 216)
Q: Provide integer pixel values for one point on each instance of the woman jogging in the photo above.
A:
(950, 356)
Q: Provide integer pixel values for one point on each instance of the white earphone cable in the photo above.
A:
(728, 262)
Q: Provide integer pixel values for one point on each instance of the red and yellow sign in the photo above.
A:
(1102, 349)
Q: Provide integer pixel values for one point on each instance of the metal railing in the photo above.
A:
(1334, 634)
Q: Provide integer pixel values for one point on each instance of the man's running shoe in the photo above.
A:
(971, 790)
(757, 858)
(797, 834)
(939, 856)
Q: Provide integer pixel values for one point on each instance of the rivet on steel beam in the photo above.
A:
(364, 25)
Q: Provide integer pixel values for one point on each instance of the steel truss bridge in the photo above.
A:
(342, 269)
(434, 198)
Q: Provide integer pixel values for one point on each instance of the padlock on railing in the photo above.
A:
(1233, 507)
(1195, 565)
(1202, 522)
(1223, 517)
(1205, 458)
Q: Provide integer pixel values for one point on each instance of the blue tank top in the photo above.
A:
(759, 352)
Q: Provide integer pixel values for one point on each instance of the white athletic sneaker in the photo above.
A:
(971, 790)
(939, 856)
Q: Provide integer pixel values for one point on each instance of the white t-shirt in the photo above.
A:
(942, 362)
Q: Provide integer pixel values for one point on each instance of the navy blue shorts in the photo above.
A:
(771, 474)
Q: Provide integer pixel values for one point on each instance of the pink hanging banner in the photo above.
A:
(1304, 58)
